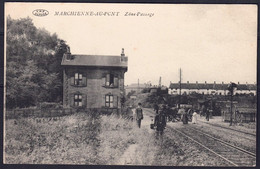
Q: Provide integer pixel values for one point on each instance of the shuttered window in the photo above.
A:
(111, 101)
(78, 80)
(110, 80)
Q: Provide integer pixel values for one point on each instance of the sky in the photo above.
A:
(208, 42)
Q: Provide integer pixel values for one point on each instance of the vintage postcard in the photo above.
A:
(130, 84)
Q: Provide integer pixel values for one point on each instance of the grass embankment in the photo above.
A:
(74, 139)
(103, 140)
(70, 140)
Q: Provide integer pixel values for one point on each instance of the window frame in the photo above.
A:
(111, 80)
(78, 100)
(109, 101)
(78, 79)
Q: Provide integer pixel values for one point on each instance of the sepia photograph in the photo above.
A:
(130, 84)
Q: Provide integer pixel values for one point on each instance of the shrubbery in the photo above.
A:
(49, 105)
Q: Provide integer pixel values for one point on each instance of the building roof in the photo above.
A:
(211, 86)
(95, 60)
(135, 85)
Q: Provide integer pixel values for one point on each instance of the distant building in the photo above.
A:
(210, 88)
(135, 87)
(133, 97)
(93, 81)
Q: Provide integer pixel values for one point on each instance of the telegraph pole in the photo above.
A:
(160, 81)
(138, 86)
(180, 90)
(231, 89)
(231, 104)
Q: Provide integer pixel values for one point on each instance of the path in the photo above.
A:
(128, 158)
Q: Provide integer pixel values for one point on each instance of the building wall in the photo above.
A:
(210, 91)
(93, 94)
(200, 91)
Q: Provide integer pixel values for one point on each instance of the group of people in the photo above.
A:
(185, 114)
(159, 121)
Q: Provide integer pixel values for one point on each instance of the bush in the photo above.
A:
(49, 105)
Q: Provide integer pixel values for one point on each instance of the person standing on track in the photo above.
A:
(194, 117)
(139, 115)
(207, 114)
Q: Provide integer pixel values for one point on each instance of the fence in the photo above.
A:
(52, 112)
(240, 116)
(38, 113)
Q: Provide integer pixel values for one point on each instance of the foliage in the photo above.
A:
(48, 105)
(145, 90)
(132, 92)
(71, 140)
(82, 138)
(33, 64)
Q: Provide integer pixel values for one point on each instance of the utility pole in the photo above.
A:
(231, 88)
(138, 87)
(231, 105)
(180, 90)
(160, 81)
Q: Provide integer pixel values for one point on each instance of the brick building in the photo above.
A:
(93, 81)
(210, 88)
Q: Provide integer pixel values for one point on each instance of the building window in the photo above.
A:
(110, 80)
(78, 79)
(77, 100)
(109, 101)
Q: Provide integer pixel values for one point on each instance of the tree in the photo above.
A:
(33, 67)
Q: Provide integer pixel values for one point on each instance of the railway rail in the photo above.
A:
(236, 133)
(234, 155)
(216, 125)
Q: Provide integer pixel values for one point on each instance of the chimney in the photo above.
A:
(67, 54)
(123, 52)
(123, 57)
(237, 82)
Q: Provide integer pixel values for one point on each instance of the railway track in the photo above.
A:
(234, 155)
(216, 125)
(237, 133)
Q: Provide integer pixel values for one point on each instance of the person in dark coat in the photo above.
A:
(207, 114)
(185, 117)
(139, 115)
(156, 108)
(160, 122)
